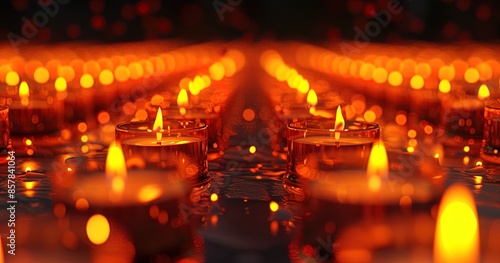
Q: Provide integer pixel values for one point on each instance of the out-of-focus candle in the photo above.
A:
(457, 230)
(465, 116)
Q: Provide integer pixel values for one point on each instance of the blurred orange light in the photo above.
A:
(444, 86)
(380, 75)
(417, 82)
(41, 75)
(12, 78)
(395, 79)
(60, 84)
(471, 75)
(86, 81)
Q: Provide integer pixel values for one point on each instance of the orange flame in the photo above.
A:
(182, 101)
(312, 98)
(158, 124)
(457, 230)
(116, 169)
(483, 92)
(24, 93)
(339, 123)
(378, 166)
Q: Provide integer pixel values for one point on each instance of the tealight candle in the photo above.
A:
(178, 145)
(491, 142)
(465, 116)
(327, 143)
(372, 195)
(5, 141)
(104, 201)
(35, 115)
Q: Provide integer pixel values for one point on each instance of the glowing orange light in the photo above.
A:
(122, 73)
(274, 206)
(229, 66)
(158, 124)
(446, 73)
(116, 169)
(30, 185)
(252, 149)
(24, 93)
(395, 79)
(444, 86)
(206, 81)
(182, 101)
(483, 92)
(312, 98)
(423, 69)
(471, 75)
(457, 230)
(149, 193)
(417, 82)
(378, 166)
(41, 75)
(61, 84)
(379, 75)
(86, 81)
(217, 71)
(214, 197)
(339, 123)
(98, 229)
(303, 86)
(194, 89)
(106, 77)
(12, 78)
(136, 70)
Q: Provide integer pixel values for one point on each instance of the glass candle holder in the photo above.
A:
(339, 198)
(5, 141)
(140, 219)
(35, 110)
(182, 147)
(315, 144)
(197, 114)
(491, 141)
(463, 115)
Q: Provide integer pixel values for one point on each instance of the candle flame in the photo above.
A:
(312, 98)
(182, 101)
(457, 230)
(378, 166)
(339, 123)
(116, 169)
(24, 93)
(158, 124)
(61, 85)
(483, 92)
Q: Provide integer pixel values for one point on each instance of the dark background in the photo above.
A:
(306, 20)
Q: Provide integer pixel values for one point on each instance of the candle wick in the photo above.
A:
(158, 142)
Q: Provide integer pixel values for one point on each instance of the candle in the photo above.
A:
(326, 143)
(465, 117)
(341, 198)
(142, 207)
(491, 142)
(173, 145)
(42, 114)
(184, 112)
(5, 141)
(457, 230)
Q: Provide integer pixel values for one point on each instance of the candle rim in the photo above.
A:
(366, 126)
(142, 127)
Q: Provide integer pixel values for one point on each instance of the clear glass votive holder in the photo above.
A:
(180, 146)
(5, 141)
(139, 219)
(339, 199)
(316, 144)
(491, 140)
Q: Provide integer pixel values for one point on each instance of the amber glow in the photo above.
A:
(41, 75)
(106, 77)
(303, 86)
(312, 98)
(471, 75)
(98, 229)
(12, 78)
(444, 86)
(86, 81)
(116, 169)
(149, 193)
(214, 197)
(339, 123)
(24, 93)
(378, 166)
(182, 101)
(483, 92)
(417, 82)
(457, 231)
(273, 206)
(61, 84)
(158, 124)
(30, 185)
(395, 79)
